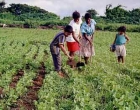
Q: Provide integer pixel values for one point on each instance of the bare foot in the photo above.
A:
(86, 62)
(123, 63)
(62, 75)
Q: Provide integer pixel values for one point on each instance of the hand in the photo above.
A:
(66, 53)
(91, 43)
(70, 58)
(80, 44)
(80, 37)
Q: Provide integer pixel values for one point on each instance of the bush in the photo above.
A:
(114, 26)
(54, 23)
(7, 15)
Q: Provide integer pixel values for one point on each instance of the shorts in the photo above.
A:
(73, 46)
(120, 50)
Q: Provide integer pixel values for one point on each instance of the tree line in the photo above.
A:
(116, 15)
(33, 16)
(23, 12)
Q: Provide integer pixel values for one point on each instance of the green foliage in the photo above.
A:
(102, 85)
(93, 13)
(2, 5)
(67, 19)
(135, 15)
(25, 16)
(117, 13)
(23, 12)
(120, 15)
(7, 16)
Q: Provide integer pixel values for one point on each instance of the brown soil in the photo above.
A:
(27, 100)
(34, 57)
(27, 66)
(1, 91)
(16, 78)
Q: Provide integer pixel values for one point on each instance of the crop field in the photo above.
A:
(28, 82)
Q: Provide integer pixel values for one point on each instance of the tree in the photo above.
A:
(68, 18)
(25, 12)
(93, 13)
(117, 14)
(2, 5)
(135, 16)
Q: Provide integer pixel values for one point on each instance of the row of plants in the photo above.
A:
(12, 95)
(103, 84)
(13, 62)
(8, 57)
(93, 91)
(16, 54)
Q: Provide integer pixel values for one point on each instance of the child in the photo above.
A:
(56, 45)
(73, 40)
(120, 41)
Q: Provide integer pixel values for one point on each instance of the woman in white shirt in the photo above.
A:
(73, 40)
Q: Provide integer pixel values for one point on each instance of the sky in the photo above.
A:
(66, 7)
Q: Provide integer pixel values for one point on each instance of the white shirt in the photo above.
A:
(76, 30)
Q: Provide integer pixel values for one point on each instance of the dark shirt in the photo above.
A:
(58, 39)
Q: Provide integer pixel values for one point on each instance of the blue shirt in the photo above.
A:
(89, 30)
(120, 39)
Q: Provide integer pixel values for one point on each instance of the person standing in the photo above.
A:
(58, 44)
(87, 30)
(120, 41)
(73, 40)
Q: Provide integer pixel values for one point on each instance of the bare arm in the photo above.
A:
(75, 38)
(127, 38)
(80, 35)
(64, 50)
(93, 36)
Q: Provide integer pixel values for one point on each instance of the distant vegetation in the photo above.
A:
(25, 16)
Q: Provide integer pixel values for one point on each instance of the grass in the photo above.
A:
(102, 85)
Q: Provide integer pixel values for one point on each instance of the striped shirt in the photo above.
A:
(58, 39)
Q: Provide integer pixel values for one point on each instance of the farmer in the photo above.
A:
(56, 45)
(73, 40)
(120, 41)
(87, 30)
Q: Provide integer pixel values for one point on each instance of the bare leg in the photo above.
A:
(119, 59)
(72, 55)
(62, 75)
(86, 60)
(123, 59)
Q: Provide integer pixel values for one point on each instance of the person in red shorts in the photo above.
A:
(73, 40)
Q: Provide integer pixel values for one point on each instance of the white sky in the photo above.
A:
(66, 7)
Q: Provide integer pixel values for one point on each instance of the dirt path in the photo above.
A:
(16, 78)
(27, 100)
(1, 92)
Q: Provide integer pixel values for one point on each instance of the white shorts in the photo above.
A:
(120, 50)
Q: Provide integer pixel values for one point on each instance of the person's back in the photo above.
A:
(120, 39)
(119, 42)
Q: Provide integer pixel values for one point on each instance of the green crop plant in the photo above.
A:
(102, 85)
